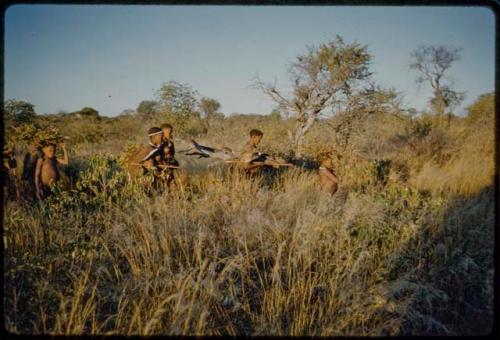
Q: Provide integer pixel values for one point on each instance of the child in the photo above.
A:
(328, 177)
(168, 140)
(169, 151)
(168, 143)
(46, 170)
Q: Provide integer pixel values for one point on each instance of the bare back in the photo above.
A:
(329, 181)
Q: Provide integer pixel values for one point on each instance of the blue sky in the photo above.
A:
(65, 57)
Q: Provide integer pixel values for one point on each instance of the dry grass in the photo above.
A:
(471, 166)
(268, 256)
(228, 256)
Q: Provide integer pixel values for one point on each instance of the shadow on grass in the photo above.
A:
(451, 286)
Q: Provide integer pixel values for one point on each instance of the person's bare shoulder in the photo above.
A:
(328, 175)
(248, 148)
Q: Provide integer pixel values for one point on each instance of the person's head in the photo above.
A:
(325, 159)
(155, 135)
(167, 130)
(49, 150)
(255, 136)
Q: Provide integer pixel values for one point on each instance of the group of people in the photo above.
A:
(40, 170)
(157, 160)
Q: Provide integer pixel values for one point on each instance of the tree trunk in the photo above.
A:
(439, 105)
(301, 130)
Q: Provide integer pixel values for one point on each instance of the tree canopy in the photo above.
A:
(483, 109)
(432, 64)
(322, 77)
(19, 111)
(209, 108)
(147, 108)
(177, 98)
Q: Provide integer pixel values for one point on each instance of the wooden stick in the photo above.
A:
(168, 166)
(160, 166)
(262, 163)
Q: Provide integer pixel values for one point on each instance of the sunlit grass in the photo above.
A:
(230, 255)
(403, 248)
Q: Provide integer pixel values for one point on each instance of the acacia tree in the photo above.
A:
(432, 63)
(177, 103)
(178, 99)
(209, 107)
(321, 77)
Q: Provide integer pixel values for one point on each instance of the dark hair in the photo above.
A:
(166, 126)
(154, 129)
(255, 132)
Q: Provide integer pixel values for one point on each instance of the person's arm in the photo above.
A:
(250, 166)
(38, 171)
(148, 164)
(64, 160)
(168, 150)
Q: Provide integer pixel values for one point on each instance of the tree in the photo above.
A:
(177, 104)
(89, 112)
(322, 77)
(127, 112)
(432, 64)
(482, 111)
(209, 107)
(18, 111)
(177, 98)
(275, 114)
(147, 108)
(353, 114)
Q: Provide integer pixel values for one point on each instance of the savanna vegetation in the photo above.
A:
(405, 247)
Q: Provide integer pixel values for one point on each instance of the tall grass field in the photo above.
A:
(400, 249)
